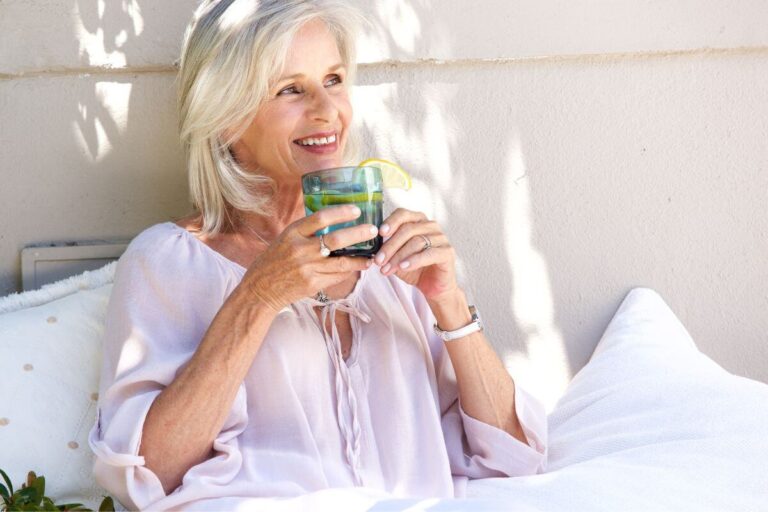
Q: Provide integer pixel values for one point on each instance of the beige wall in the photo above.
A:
(572, 150)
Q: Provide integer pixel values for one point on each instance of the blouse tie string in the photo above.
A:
(343, 380)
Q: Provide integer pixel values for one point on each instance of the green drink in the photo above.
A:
(360, 186)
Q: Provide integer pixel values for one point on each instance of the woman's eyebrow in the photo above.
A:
(331, 69)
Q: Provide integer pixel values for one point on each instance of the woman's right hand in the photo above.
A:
(293, 268)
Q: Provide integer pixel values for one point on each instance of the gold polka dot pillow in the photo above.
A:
(50, 358)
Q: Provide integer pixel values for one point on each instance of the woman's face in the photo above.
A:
(302, 125)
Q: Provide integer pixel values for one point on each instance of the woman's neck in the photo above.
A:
(286, 207)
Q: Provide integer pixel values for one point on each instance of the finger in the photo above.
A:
(403, 234)
(432, 256)
(326, 217)
(343, 265)
(397, 218)
(413, 246)
(345, 237)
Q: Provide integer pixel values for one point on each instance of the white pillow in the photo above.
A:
(50, 341)
(650, 423)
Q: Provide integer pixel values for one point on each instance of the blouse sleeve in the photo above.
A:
(160, 306)
(476, 449)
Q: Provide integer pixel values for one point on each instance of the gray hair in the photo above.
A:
(232, 51)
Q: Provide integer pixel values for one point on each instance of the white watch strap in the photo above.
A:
(474, 326)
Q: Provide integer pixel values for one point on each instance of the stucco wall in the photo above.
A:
(572, 150)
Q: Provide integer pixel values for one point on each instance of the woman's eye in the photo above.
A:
(291, 89)
(334, 80)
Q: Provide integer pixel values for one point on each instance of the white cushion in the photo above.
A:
(650, 423)
(50, 341)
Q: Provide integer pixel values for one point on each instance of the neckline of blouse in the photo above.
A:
(352, 295)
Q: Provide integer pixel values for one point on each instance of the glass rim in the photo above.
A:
(332, 170)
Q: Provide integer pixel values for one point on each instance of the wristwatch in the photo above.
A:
(475, 325)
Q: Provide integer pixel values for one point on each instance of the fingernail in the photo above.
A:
(356, 211)
(380, 257)
(405, 264)
(384, 229)
(374, 230)
(385, 268)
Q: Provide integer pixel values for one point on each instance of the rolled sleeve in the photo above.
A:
(497, 450)
(120, 469)
(117, 466)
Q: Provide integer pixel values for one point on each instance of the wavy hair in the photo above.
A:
(232, 51)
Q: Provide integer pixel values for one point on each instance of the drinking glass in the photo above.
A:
(360, 186)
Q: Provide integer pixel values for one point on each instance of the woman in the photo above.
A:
(224, 375)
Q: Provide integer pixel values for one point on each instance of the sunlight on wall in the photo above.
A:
(544, 369)
(425, 149)
(404, 21)
(103, 119)
(95, 46)
(388, 137)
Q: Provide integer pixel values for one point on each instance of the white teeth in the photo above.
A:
(321, 140)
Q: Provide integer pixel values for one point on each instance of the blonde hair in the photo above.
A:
(232, 50)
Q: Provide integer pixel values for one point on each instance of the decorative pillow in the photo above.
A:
(650, 423)
(50, 341)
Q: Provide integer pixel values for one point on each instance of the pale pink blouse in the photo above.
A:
(304, 419)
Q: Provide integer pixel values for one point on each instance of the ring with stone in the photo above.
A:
(324, 250)
(427, 243)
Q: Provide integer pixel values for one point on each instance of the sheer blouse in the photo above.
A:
(304, 419)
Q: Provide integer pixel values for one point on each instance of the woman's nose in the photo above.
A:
(323, 107)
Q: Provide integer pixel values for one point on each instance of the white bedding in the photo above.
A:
(649, 423)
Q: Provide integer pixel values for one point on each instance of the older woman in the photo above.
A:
(224, 375)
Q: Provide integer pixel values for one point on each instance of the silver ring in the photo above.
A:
(427, 243)
(324, 250)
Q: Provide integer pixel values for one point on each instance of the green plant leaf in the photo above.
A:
(39, 484)
(69, 506)
(25, 496)
(4, 493)
(48, 505)
(7, 481)
(107, 505)
(30, 506)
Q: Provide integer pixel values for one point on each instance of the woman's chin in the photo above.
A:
(321, 163)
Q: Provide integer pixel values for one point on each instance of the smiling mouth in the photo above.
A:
(317, 141)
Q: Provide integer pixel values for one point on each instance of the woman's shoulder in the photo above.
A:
(156, 239)
(170, 250)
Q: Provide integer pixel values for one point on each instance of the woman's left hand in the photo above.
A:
(404, 253)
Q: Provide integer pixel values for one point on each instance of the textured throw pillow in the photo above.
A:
(50, 346)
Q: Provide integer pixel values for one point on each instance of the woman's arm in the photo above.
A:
(486, 390)
(419, 253)
(186, 417)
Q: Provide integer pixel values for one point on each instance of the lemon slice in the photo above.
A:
(392, 175)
